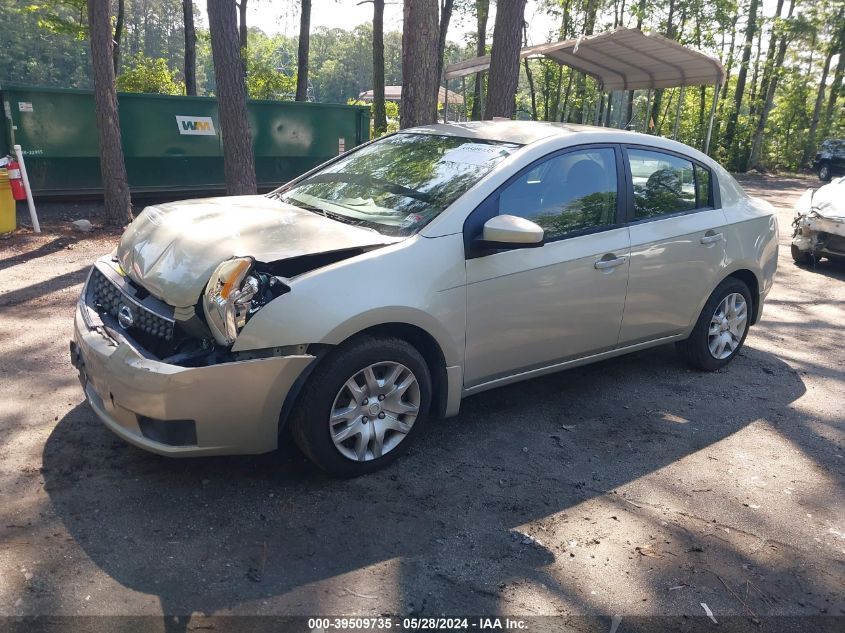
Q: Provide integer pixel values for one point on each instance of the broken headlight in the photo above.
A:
(228, 298)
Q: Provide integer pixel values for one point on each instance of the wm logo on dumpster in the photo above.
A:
(196, 125)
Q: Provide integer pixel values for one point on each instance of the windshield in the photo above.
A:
(399, 184)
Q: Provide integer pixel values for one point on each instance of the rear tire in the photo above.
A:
(802, 258)
(363, 406)
(721, 328)
(824, 172)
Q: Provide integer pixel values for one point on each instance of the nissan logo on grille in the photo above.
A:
(125, 317)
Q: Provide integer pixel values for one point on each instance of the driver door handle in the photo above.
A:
(603, 264)
(712, 238)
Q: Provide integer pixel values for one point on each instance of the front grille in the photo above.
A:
(105, 296)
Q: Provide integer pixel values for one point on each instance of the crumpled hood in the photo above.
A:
(171, 249)
(829, 201)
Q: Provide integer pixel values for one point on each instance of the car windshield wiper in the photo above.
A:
(345, 219)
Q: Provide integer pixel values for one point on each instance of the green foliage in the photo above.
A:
(265, 72)
(63, 17)
(391, 109)
(50, 48)
(35, 54)
(144, 74)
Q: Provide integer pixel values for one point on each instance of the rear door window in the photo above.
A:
(663, 183)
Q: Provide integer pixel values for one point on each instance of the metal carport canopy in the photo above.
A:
(624, 59)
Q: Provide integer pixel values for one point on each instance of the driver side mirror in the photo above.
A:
(510, 231)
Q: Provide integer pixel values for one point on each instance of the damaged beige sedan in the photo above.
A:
(381, 288)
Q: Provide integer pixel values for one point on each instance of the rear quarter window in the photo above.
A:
(730, 191)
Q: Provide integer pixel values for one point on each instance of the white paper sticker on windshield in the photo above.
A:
(473, 154)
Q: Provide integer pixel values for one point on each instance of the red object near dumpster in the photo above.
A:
(15, 180)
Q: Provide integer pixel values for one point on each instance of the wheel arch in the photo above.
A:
(749, 279)
(426, 344)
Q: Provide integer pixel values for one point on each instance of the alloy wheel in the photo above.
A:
(374, 411)
(727, 326)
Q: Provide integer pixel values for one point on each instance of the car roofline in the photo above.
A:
(527, 133)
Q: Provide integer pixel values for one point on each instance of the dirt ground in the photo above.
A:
(634, 487)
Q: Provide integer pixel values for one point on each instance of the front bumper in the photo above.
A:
(225, 409)
(819, 235)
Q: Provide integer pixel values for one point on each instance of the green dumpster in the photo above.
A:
(171, 145)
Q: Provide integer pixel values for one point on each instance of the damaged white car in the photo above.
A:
(820, 224)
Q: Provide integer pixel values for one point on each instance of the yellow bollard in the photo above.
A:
(8, 217)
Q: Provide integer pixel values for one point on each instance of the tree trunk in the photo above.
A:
(750, 30)
(482, 11)
(723, 97)
(243, 30)
(118, 204)
(238, 158)
(504, 60)
(770, 61)
(658, 92)
(565, 110)
(302, 51)
(531, 90)
(379, 111)
(529, 76)
(629, 111)
(754, 94)
(420, 82)
(581, 84)
(118, 34)
(445, 18)
(835, 87)
(558, 93)
(190, 48)
(768, 100)
(810, 146)
(834, 47)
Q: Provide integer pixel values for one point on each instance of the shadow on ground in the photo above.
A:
(207, 535)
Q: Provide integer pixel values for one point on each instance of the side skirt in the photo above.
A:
(576, 362)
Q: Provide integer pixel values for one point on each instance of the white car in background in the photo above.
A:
(383, 287)
(820, 224)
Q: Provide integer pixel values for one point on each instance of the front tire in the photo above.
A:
(363, 406)
(802, 258)
(721, 328)
(824, 172)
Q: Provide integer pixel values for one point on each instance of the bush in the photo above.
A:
(145, 74)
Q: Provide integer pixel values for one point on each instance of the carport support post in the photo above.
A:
(678, 114)
(464, 93)
(712, 115)
(599, 107)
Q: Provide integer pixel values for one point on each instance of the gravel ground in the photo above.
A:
(634, 487)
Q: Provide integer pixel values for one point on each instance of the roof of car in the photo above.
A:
(528, 132)
(521, 132)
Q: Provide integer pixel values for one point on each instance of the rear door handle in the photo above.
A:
(603, 264)
(712, 238)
